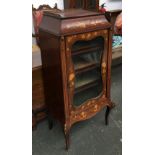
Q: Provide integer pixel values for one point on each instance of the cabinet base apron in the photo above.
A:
(84, 113)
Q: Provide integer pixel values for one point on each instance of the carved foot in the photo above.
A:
(34, 121)
(106, 115)
(50, 123)
(112, 105)
(67, 136)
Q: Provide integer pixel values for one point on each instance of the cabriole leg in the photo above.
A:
(107, 114)
(50, 123)
(67, 136)
(112, 105)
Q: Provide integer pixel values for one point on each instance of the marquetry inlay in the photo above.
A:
(103, 68)
(65, 128)
(96, 107)
(71, 76)
(103, 64)
(83, 115)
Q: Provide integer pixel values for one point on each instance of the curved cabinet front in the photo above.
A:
(86, 56)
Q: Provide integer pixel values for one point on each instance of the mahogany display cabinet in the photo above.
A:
(76, 60)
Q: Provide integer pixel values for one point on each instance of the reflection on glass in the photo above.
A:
(87, 57)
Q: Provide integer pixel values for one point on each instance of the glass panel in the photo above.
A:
(87, 94)
(87, 57)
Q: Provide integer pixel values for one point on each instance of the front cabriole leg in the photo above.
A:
(109, 107)
(67, 135)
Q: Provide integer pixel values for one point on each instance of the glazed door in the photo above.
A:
(86, 63)
(86, 59)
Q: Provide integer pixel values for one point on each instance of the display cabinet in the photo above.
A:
(76, 60)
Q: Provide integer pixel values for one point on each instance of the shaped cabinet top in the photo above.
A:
(73, 21)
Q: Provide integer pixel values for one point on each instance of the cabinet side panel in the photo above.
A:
(52, 75)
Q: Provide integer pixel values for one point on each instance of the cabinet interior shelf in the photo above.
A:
(86, 50)
(82, 65)
(86, 47)
(87, 80)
